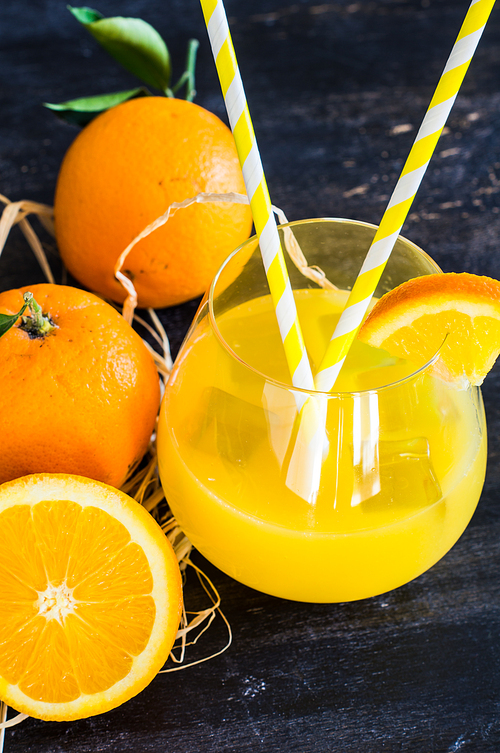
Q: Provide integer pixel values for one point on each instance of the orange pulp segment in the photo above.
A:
(90, 596)
(455, 314)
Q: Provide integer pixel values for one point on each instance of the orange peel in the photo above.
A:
(457, 315)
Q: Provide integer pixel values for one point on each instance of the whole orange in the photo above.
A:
(122, 172)
(82, 399)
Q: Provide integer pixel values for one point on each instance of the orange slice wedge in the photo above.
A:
(90, 597)
(455, 314)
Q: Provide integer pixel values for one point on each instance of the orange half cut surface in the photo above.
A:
(455, 314)
(90, 596)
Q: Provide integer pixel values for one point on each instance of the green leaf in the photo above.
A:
(82, 110)
(133, 43)
(85, 15)
(8, 320)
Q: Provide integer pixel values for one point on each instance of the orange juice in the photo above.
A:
(401, 473)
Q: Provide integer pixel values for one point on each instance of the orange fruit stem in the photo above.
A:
(38, 324)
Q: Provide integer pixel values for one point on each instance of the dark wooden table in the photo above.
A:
(336, 91)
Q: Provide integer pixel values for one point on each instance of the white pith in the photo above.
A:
(56, 602)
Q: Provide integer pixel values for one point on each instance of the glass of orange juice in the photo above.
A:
(402, 458)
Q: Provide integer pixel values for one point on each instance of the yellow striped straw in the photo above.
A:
(258, 194)
(404, 193)
(304, 471)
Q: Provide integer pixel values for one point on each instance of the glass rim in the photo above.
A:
(291, 387)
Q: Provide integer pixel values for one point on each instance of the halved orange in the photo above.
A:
(455, 314)
(90, 596)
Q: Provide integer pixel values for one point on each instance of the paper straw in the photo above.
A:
(304, 470)
(404, 193)
(258, 194)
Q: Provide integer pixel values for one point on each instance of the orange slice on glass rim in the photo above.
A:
(455, 314)
(90, 596)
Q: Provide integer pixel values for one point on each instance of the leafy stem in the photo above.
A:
(141, 50)
(188, 77)
(36, 325)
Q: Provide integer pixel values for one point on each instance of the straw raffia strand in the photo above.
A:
(16, 212)
(294, 251)
(5, 723)
(292, 247)
(143, 484)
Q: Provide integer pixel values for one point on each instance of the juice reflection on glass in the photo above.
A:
(405, 460)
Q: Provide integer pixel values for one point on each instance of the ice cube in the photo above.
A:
(406, 477)
(229, 427)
